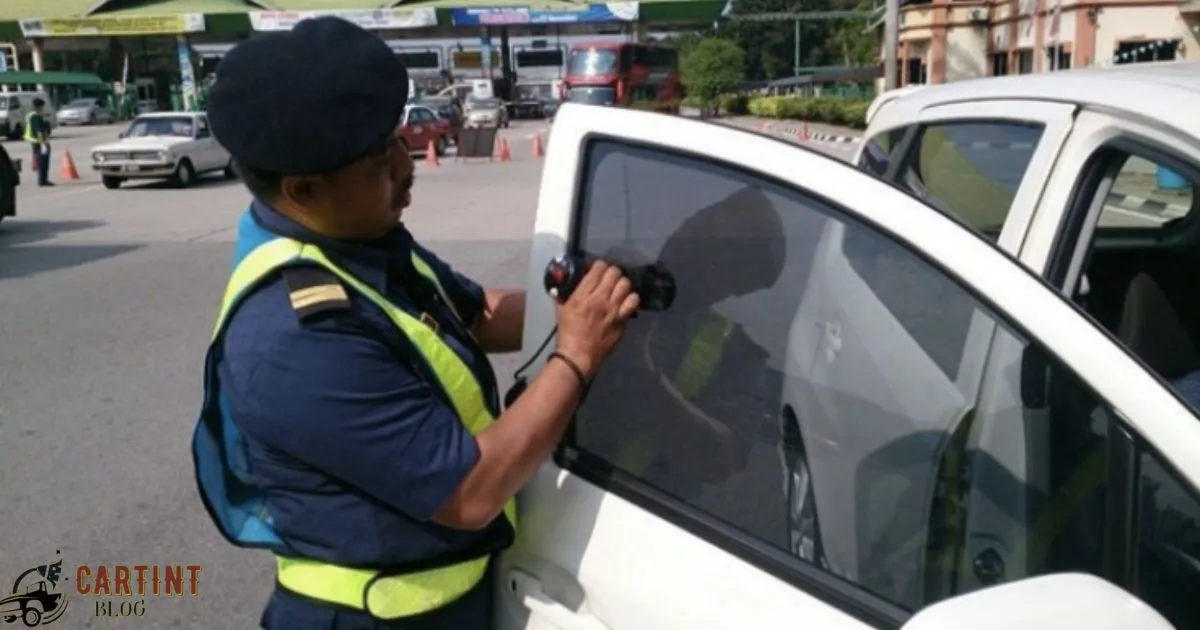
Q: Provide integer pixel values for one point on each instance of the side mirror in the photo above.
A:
(1063, 601)
(121, 135)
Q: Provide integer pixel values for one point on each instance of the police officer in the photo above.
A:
(37, 133)
(351, 422)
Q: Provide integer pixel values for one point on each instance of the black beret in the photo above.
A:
(310, 100)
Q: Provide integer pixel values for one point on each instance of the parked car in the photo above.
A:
(422, 126)
(446, 109)
(485, 112)
(861, 410)
(84, 111)
(178, 146)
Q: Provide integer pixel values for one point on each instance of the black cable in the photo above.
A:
(540, 350)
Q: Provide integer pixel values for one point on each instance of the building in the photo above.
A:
(949, 40)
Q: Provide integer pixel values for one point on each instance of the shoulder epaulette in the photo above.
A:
(313, 291)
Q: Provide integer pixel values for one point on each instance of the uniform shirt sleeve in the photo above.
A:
(466, 293)
(334, 396)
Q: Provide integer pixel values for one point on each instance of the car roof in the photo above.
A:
(1165, 91)
(168, 114)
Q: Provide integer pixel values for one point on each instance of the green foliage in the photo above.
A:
(833, 111)
(771, 46)
(712, 66)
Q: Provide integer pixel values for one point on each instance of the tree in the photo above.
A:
(713, 66)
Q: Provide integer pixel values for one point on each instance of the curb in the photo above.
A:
(1146, 206)
(802, 133)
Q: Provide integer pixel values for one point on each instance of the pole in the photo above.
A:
(891, 43)
(796, 58)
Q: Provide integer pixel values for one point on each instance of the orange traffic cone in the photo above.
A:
(69, 173)
(538, 149)
(431, 157)
(505, 154)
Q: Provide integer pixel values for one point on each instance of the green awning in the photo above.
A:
(50, 78)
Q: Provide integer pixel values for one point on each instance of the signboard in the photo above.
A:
(114, 25)
(187, 76)
(371, 19)
(577, 14)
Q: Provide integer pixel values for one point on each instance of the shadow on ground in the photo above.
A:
(19, 258)
(202, 182)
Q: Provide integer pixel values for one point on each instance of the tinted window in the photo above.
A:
(423, 60)
(532, 58)
(972, 169)
(877, 155)
(1146, 194)
(591, 61)
(1168, 556)
(782, 396)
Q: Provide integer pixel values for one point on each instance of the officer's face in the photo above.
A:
(366, 199)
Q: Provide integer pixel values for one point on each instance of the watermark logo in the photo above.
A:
(35, 600)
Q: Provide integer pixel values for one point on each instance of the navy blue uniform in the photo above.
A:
(353, 446)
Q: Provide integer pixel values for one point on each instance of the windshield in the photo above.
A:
(592, 95)
(81, 102)
(483, 103)
(591, 62)
(161, 126)
(541, 91)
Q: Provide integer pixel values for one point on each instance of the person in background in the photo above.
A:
(37, 134)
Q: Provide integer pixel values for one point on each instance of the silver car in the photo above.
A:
(84, 111)
(485, 112)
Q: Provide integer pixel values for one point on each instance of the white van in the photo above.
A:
(15, 106)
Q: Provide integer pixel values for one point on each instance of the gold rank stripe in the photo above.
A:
(316, 295)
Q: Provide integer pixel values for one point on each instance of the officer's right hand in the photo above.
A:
(593, 319)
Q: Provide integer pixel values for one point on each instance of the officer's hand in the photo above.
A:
(593, 319)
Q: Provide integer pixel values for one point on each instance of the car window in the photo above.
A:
(1168, 553)
(201, 126)
(1146, 194)
(877, 152)
(781, 398)
(972, 169)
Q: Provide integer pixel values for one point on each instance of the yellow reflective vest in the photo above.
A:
(30, 136)
(382, 595)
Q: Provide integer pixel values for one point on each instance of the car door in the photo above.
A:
(663, 506)
(421, 128)
(206, 149)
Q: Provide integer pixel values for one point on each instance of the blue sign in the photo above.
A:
(579, 14)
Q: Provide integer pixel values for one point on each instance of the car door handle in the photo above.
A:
(529, 591)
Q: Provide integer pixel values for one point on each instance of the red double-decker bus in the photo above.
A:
(624, 74)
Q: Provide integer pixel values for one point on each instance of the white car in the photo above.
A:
(1049, 481)
(178, 146)
(84, 111)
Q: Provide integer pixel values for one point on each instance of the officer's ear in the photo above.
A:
(301, 191)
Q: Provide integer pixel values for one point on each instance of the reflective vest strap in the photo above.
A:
(702, 356)
(29, 135)
(424, 269)
(389, 597)
(457, 379)
(260, 262)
